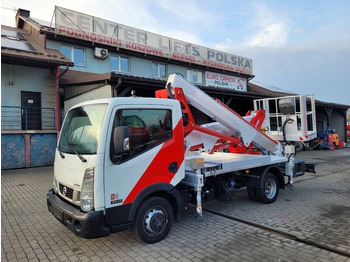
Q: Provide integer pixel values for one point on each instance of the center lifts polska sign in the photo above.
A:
(82, 26)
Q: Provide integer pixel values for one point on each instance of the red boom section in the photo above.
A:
(232, 143)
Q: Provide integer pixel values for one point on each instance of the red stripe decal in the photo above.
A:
(157, 172)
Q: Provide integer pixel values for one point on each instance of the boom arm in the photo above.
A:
(242, 129)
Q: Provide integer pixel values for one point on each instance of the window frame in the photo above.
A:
(157, 65)
(120, 57)
(72, 56)
(154, 131)
(189, 76)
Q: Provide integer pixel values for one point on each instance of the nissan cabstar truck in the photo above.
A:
(138, 162)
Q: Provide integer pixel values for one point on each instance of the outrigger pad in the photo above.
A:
(310, 168)
(199, 218)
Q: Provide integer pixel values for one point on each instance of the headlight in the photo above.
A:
(87, 190)
(55, 185)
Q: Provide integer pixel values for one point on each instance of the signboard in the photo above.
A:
(226, 81)
(77, 25)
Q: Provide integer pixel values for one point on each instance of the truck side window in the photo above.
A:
(148, 128)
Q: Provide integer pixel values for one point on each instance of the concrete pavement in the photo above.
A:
(316, 211)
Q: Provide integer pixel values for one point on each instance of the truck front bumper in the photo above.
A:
(86, 225)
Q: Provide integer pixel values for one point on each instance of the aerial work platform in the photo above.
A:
(289, 118)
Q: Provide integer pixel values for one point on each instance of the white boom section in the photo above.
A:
(243, 129)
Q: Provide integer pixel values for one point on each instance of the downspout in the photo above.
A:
(116, 87)
(57, 86)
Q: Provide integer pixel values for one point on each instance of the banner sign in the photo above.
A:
(225, 81)
(77, 25)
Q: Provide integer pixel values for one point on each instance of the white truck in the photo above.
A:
(137, 162)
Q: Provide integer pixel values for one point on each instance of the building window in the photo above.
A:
(195, 76)
(158, 70)
(120, 64)
(76, 55)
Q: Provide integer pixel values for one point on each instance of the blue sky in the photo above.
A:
(299, 46)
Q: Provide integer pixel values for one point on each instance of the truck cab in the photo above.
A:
(112, 155)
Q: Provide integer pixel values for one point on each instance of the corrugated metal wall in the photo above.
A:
(27, 150)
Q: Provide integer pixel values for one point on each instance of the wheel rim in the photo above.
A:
(270, 188)
(155, 221)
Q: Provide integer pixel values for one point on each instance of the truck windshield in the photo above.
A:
(81, 129)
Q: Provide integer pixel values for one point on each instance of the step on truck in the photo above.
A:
(138, 163)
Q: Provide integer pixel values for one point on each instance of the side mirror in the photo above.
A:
(121, 140)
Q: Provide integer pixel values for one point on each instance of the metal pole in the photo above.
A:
(199, 208)
(26, 117)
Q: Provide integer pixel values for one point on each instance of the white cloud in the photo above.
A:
(270, 28)
(131, 13)
(184, 36)
(267, 27)
(298, 30)
(186, 12)
(160, 17)
(272, 35)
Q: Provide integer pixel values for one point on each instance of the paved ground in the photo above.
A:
(317, 211)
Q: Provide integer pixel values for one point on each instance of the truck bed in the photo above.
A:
(222, 163)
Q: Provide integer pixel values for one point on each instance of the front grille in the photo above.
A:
(66, 191)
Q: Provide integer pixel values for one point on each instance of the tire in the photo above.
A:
(153, 220)
(269, 192)
(252, 193)
(298, 146)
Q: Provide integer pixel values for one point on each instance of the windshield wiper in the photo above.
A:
(80, 156)
(61, 154)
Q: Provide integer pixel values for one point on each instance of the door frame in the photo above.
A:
(31, 117)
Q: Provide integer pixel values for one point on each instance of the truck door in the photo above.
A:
(155, 156)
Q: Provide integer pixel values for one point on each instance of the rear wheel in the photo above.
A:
(269, 192)
(153, 221)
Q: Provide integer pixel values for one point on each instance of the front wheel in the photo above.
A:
(269, 192)
(153, 220)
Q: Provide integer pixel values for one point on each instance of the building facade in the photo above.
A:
(29, 112)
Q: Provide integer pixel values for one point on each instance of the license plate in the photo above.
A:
(57, 213)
